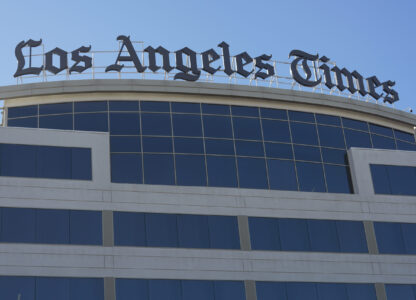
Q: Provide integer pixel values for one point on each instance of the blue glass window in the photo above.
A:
(52, 288)
(164, 290)
(252, 173)
(382, 142)
(354, 124)
(310, 177)
(189, 145)
(124, 105)
(156, 124)
(247, 148)
(85, 227)
(125, 123)
(351, 236)
(276, 131)
(226, 290)
(11, 287)
(294, 235)
(301, 291)
(128, 289)
(161, 230)
(155, 106)
(377, 129)
(338, 179)
(91, 106)
(404, 136)
(129, 229)
(282, 175)
(55, 108)
(247, 128)
(18, 225)
(181, 107)
(400, 292)
(409, 237)
(279, 150)
(301, 116)
(334, 156)
(405, 146)
(54, 162)
(221, 171)
(308, 153)
(81, 164)
(31, 122)
(190, 170)
(214, 146)
(303, 133)
(91, 122)
(125, 144)
(394, 180)
(331, 291)
(380, 179)
(264, 233)
(357, 139)
(86, 288)
(245, 111)
(361, 291)
(223, 232)
(215, 109)
(63, 122)
(389, 238)
(323, 236)
(328, 120)
(187, 125)
(197, 290)
(270, 290)
(217, 127)
(193, 231)
(271, 113)
(331, 136)
(22, 111)
(18, 160)
(158, 169)
(126, 168)
(52, 226)
(157, 144)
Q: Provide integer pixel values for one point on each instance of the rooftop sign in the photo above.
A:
(306, 69)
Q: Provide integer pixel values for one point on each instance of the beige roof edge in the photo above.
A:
(202, 88)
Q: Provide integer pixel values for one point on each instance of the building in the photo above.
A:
(146, 189)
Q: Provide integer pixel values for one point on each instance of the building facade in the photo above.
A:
(141, 189)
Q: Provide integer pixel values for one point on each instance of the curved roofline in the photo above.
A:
(202, 88)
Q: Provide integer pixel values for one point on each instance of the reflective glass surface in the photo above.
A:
(151, 140)
(396, 238)
(393, 180)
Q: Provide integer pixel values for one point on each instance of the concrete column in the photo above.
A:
(381, 291)
(244, 232)
(250, 286)
(108, 228)
(109, 288)
(370, 236)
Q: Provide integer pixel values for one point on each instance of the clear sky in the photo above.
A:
(375, 37)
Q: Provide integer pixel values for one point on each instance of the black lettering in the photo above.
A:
(184, 74)
(80, 59)
(131, 57)
(242, 60)
(63, 60)
(21, 59)
(304, 57)
(152, 58)
(226, 58)
(262, 66)
(209, 57)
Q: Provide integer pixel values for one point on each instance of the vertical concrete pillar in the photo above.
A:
(108, 228)
(370, 236)
(244, 232)
(250, 286)
(109, 288)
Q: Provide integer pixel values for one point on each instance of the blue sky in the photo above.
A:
(373, 37)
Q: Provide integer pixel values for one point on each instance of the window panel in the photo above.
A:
(382, 142)
(338, 179)
(282, 175)
(90, 106)
(156, 124)
(310, 177)
(331, 136)
(404, 136)
(270, 290)
(301, 116)
(301, 291)
(226, 290)
(361, 291)
(85, 227)
(351, 236)
(31, 122)
(221, 171)
(334, 156)
(164, 290)
(278, 150)
(187, 125)
(129, 229)
(157, 144)
(189, 145)
(247, 128)
(246, 148)
(276, 131)
(125, 144)
(271, 113)
(400, 292)
(18, 225)
(124, 105)
(63, 122)
(217, 127)
(331, 291)
(22, 111)
(181, 107)
(294, 235)
(54, 162)
(328, 120)
(18, 160)
(307, 153)
(377, 129)
(402, 180)
(190, 170)
(223, 232)
(405, 146)
(264, 233)
(323, 236)
(197, 290)
(52, 288)
(245, 111)
(409, 237)
(11, 287)
(161, 230)
(125, 123)
(214, 146)
(215, 109)
(132, 289)
(126, 168)
(389, 238)
(91, 122)
(357, 139)
(193, 231)
(55, 108)
(52, 226)
(354, 124)
(380, 178)
(252, 173)
(304, 133)
(86, 288)
(155, 106)
(158, 169)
